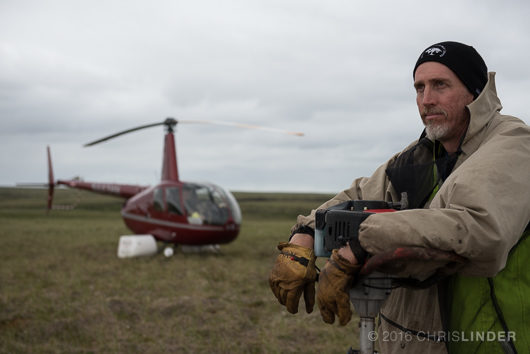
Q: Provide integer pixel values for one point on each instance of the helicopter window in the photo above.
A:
(173, 200)
(227, 202)
(234, 207)
(205, 205)
(217, 197)
(158, 199)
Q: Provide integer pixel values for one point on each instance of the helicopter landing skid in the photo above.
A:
(201, 249)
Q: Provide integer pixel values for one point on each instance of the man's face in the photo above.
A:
(442, 99)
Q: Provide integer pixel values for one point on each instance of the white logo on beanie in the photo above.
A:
(432, 51)
(436, 50)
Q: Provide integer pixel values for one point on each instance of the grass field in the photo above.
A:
(63, 289)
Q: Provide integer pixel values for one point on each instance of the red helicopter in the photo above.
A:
(173, 211)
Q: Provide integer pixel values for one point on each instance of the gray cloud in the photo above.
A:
(339, 71)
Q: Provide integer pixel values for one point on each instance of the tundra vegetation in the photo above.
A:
(63, 288)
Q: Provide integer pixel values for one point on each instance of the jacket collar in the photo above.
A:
(483, 108)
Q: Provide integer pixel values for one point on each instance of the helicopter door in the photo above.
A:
(194, 204)
(158, 207)
(174, 205)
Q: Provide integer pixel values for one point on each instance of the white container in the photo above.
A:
(136, 245)
(168, 251)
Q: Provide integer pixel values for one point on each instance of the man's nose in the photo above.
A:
(428, 97)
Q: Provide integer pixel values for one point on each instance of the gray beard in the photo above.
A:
(436, 131)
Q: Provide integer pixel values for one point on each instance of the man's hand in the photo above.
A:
(346, 252)
(334, 282)
(303, 240)
(294, 273)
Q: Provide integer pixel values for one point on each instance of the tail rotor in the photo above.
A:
(51, 183)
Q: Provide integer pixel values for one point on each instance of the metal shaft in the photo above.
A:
(366, 334)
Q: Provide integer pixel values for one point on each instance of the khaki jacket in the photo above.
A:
(480, 212)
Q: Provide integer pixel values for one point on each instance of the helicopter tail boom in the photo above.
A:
(118, 190)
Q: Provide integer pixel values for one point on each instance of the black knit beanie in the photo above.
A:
(462, 59)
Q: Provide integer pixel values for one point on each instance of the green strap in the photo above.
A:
(437, 183)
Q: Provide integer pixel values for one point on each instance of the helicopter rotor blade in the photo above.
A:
(241, 125)
(170, 122)
(122, 133)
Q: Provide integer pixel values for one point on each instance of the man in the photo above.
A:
(468, 183)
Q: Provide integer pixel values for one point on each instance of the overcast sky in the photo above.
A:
(338, 71)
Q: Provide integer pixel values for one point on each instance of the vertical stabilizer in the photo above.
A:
(51, 183)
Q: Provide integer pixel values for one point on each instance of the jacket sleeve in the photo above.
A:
(480, 212)
(376, 187)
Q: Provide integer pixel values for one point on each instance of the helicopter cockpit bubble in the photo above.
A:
(234, 206)
(209, 204)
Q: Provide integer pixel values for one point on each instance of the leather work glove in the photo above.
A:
(334, 283)
(293, 273)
